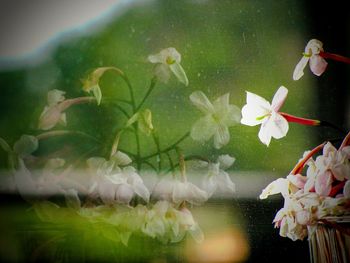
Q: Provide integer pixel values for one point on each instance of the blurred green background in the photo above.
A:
(226, 46)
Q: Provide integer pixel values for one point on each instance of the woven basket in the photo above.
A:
(331, 241)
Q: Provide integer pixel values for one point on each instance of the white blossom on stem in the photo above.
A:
(218, 117)
(259, 111)
(311, 55)
(168, 60)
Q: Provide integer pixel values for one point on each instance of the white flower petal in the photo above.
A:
(277, 125)
(314, 46)
(172, 53)
(121, 158)
(329, 149)
(318, 65)
(200, 100)
(252, 115)
(49, 117)
(280, 185)
(188, 192)
(203, 129)
(222, 103)
(225, 183)
(179, 72)
(141, 190)
(221, 136)
(55, 96)
(323, 183)
(279, 98)
(106, 191)
(232, 116)
(209, 184)
(226, 161)
(157, 58)
(162, 72)
(124, 193)
(264, 134)
(299, 69)
(257, 101)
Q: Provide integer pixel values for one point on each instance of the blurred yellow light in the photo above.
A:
(229, 245)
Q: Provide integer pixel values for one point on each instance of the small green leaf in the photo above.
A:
(145, 122)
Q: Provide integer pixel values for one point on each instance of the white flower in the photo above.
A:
(217, 179)
(168, 60)
(281, 185)
(166, 223)
(336, 161)
(299, 211)
(219, 116)
(259, 111)
(317, 63)
(53, 112)
(122, 186)
(51, 181)
(175, 191)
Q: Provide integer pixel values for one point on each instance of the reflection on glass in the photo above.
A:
(126, 143)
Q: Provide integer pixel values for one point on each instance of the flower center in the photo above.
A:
(262, 117)
(169, 60)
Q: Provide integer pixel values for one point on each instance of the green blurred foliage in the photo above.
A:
(226, 46)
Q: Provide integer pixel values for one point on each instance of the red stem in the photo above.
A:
(303, 121)
(297, 169)
(334, 57)
(336, 188)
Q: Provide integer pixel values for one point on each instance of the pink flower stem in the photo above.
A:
(302, 121)
(299, 167)
(335, 57)
(309, 122)
(335, 189)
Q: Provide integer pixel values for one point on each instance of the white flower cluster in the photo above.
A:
(323, 191)
(109, 188)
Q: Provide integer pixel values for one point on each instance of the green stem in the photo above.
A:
(131, 92)
(121, 109)
(172, 167)
(151, 165)
(169, 148)
(115, 143)
(137, 138)
(150, 89)
(138, 147)
(156, 141)
(188, 158)
(111, 100)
